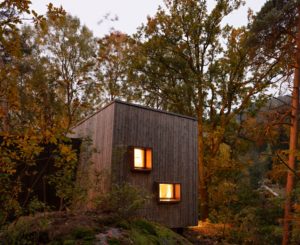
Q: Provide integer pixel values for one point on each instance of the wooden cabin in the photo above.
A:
(152, 149)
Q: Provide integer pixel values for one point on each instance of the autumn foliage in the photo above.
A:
(184, 59)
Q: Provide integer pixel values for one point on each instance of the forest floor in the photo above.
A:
(87, 229)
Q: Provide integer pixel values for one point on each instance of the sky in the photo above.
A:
(130, 13)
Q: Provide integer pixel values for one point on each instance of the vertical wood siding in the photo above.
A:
(173, 140)
(174, 143)
(96, 152)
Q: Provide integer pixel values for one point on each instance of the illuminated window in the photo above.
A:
(142, 159)
(169, 192)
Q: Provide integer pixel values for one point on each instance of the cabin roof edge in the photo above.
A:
(134, 105)
(156, 110)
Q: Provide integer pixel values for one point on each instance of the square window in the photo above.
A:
(141, 159)
(169, 192)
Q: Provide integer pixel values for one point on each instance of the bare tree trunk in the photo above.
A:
(204, 211)
(293, 143)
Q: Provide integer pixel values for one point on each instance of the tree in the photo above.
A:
(181, 66)
(32, 112)
(11, 52)
(70, 48)
(112, 66)
(277, 30)
(10, 12)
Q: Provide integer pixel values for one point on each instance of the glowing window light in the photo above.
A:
(142, 159)
(166, 191)
(139, 158)
(169, 192)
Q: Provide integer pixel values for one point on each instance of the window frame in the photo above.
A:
(144, 169)
(173, 200)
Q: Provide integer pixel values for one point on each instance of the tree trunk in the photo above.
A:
(203, 194)
(293, 143)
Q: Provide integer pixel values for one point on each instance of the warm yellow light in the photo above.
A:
(169, 192)
(166, 191)
(139, 161)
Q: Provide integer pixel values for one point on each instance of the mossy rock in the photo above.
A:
(85, 229)
(145, 232)
(145, 227)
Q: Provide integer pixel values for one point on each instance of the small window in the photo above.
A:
(169, 192)
(142, 159)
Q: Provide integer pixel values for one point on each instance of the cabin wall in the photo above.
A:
(173, 140)
(95, 160)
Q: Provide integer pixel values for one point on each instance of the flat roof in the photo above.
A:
(134, 105)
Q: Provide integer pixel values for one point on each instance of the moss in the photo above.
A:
(139, 238)
(113, 241)
(145, 227)
(168, 236)
(69, 242)
(124, 225)
(56, 242)
(145, 232)
(83, 233)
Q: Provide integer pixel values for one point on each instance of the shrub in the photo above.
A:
(123, 200)
(26, 230)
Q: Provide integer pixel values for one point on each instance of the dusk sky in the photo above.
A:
(131, 13)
